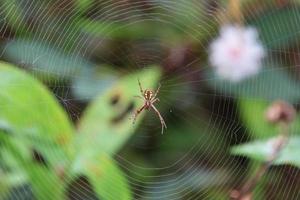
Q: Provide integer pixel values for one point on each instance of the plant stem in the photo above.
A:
(235, 13)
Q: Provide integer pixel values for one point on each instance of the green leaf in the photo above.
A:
(28, 115)
(34, 116)
(4, 185)
(13, 172)
(45, 60)
(278, 28)
(262, 149)
(260, 86)
(106, 124)
(44, 182)
(252, 113)
(106, 178)
(103, 130)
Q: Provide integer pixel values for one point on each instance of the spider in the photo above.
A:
(149, 99)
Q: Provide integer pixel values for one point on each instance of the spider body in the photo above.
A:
(148, 95)
(149, 98)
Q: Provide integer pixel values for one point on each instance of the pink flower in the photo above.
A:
(237, 53)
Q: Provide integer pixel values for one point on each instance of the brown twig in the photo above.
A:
(235, 13)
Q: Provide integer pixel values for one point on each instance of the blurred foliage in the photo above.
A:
(102, 173)
(46, 61)
(261, 150)
(92, 81)
(82, 59)
(32, 133)
(33, 127)
(282, 23)
(260, 86)
(43, 150)
(253, 114)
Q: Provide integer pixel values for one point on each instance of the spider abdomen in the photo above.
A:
(148, 94)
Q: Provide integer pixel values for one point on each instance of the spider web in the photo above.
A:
(201, 168)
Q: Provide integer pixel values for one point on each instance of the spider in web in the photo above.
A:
(149, 99)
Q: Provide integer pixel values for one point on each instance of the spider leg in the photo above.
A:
(162, 121)
(154, 100)
(140, 97)
(140, 85)
(157, 91)
(137, 112)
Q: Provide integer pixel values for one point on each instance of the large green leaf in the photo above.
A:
(262, 149)
(278, 28)
(37, 120)
(253, 115)
(270, 84)
(106, 124)
(106, 178)
(103, 130)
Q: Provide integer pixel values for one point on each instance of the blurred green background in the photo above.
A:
(68, 77)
